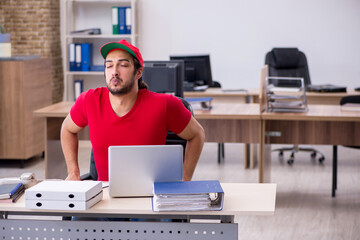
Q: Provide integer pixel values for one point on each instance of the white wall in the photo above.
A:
(238, 33)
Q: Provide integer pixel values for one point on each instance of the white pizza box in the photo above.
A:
(64, 190)
(62, 204)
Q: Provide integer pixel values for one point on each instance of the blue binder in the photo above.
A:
(86, 56)
(8, 190)
(122, 20)
(97, 68)
(182, 190)
(72, 66)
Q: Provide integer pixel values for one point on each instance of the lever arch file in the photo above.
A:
(62, 204)
(188, 196)
(63, 195)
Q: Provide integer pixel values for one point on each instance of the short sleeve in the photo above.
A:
(78, 111)
(177, 114)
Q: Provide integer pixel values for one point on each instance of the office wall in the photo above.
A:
(238, 33)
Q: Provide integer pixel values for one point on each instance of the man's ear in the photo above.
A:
(139, 73)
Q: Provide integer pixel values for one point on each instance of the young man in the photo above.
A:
(126, 113)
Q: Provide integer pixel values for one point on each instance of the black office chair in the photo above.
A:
(215, 84)
(290, 62)
(346, 99)
(171, 139)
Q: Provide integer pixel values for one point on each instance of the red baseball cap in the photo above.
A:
(124, 46)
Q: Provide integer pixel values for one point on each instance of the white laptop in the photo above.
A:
(134, 169)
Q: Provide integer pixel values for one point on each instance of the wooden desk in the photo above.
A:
(234, 122)
(312, 97)
(240, 199)
(252, 96)
(231, 123)
(322, 124)
(225, 97)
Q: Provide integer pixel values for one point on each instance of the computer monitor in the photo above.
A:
(197, 69)
(165, 76)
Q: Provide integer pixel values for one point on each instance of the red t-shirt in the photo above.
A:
(147, 123)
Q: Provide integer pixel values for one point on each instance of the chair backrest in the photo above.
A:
(171, 139)
(288, 62)
(350, 99)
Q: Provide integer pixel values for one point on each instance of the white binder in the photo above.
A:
(63, 195)
(62, 204)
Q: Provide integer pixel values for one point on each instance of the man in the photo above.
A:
(126, 113)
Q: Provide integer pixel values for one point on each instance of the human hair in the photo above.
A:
(141, 83)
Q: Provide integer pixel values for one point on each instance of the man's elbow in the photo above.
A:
(202, 134)
(64, 131)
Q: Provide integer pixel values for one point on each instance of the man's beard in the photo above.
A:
(124, 89)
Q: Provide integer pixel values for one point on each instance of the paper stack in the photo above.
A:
(188, 196)
(63, 195)
(11, 192)
(285, 94)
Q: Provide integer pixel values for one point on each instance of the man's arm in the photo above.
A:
(195, 135)
(70, 145)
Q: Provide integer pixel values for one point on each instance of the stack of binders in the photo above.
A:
(80, 57)
(121, 20)
(64, 195)
(11, 192)
(188, 196)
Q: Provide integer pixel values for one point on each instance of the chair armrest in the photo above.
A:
(86, 176)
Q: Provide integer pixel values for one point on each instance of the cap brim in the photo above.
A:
(114, 45)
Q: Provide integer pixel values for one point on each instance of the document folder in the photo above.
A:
(63, 204)
(9, 190)
(63, 195)
(188, 196)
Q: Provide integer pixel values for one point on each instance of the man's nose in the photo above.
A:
(115, 73)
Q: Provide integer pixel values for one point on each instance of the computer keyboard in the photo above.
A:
(190, 87)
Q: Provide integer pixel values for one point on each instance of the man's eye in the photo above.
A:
(109, 66)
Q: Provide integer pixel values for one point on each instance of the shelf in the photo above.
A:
(88, 14)
(73, 36)
(97, 1)
(90, 73)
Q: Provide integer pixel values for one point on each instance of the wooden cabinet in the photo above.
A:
(25, 85)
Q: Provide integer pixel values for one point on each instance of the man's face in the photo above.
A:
(119, 72)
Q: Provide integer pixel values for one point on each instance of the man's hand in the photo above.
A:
(73, 177)
(195, 135)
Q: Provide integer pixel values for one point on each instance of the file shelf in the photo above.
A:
(88, 14)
